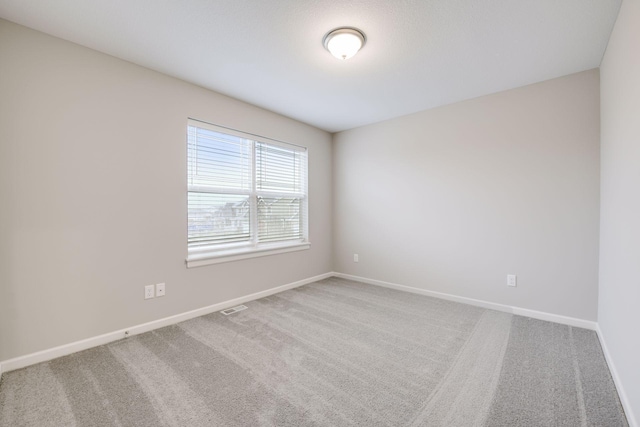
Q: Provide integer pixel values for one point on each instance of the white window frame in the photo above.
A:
(214, 254)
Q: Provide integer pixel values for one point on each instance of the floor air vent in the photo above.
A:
(235, 309)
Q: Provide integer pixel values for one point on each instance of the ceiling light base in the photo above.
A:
(344, 42)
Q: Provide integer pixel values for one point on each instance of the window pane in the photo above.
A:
(279, 218)
(218, 218)
(243, 193)
(279, 169)
(218, 160)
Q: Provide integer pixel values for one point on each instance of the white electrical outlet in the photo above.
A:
(149, 291)
(512, 280)
(355, 258)
(160, 289)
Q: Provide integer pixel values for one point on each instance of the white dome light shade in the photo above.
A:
(344, 42)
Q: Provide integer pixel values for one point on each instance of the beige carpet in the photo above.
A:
(332, 353)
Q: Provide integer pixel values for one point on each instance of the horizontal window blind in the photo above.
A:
(243, 192)
(279, 170)
(218, 218)
(279, 218)
(219, 161)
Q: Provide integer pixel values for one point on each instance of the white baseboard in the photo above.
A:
(631, 419)
(63, 350)
(571, 321)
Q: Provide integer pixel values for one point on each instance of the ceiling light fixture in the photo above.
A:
(344, 42)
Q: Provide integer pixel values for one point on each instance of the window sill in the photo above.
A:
(208, 258)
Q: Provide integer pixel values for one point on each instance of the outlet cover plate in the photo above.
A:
(149, 292)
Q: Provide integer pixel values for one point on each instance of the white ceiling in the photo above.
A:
(419, 53)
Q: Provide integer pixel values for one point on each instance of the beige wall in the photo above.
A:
(93, 194)
(618, 313)
(92, 184)
(455, 198)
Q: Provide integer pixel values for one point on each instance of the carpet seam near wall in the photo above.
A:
(576, 369)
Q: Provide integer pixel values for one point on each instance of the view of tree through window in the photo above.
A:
(243, 192)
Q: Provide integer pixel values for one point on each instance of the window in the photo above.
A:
(247, 195)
